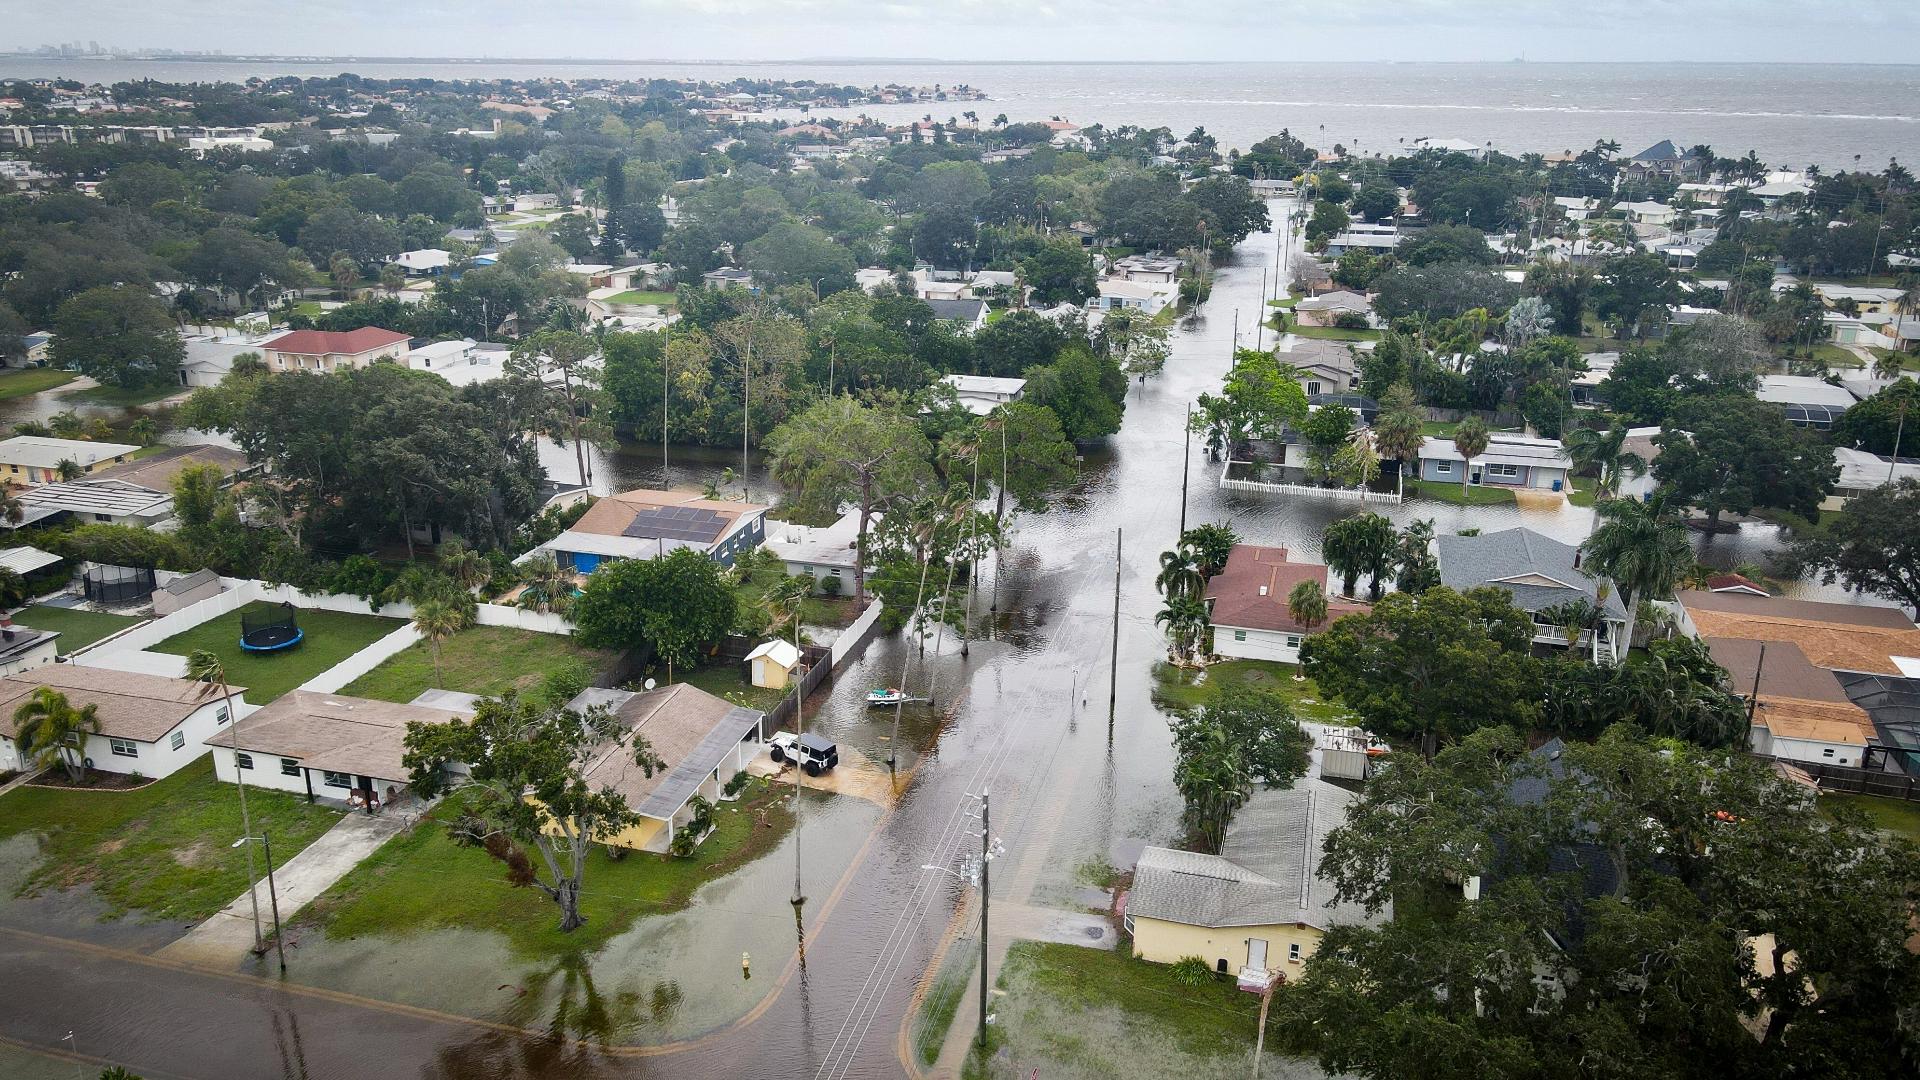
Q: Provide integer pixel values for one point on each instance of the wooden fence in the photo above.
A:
(1846, 778)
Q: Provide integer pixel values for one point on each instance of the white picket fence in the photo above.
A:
(1342, 494)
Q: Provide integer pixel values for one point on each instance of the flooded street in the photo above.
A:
(1024, 715)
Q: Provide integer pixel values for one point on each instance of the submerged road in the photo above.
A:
(1024, 715)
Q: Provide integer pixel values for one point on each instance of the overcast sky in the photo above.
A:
(1883, 31)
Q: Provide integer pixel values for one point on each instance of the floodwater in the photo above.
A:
(1048, 711)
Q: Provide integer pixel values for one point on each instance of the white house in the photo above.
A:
(827, 554)
(1810, 402)
(149, 724)
(328, 350)
(22, 648)
(704, 739)
(1148, 269)
(325, 746)
(36, 459)
(968, 316)
(981, 394)
(1149, 299)
(1326, 309)
(1509, 460)
(1247, 600)
(1861, 472)
(422, 262)
(99, 501)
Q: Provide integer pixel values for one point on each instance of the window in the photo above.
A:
(178, 740)
(1827, 752)
(1499, 468)
(126, 748)
(1293, 952)
(289, 767)
(336, 779)
(220, 717)
(103, 517)
(1313, 387)
(1239, 635)
(1293, 641)
(245, 760)
(1443, 467)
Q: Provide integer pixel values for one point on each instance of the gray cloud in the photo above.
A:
(1769, 30)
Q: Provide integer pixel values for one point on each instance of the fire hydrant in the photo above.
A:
(746, 965)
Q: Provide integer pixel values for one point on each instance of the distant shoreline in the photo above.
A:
(888, 61)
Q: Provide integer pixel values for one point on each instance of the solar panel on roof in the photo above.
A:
(692, 524)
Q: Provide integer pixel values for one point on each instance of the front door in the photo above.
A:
(1257, 954)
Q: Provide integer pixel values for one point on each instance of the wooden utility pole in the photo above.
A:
(1186, 464)
(1260, 1039)
(1113, 678)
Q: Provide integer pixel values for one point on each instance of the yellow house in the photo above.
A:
(1258, 907)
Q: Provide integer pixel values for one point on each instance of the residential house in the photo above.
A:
(1652, 214)
(1248, 603)
(1373, 242)
(158, 470)
(329, 350)
(1542, 574)
(1509, 460)
(828, 554)
(1326, 309)
(1838, 637)
(22, 648)
(149, 724)
(968, 316)
(1322, 367)
(1116, 294)
(1259, 907)
(39, 347)
(703, 739)
(1476, 151)
(1893, 705)
(325, 746)
(729, 277)
(210, 356)
(1639, 441)
(981, 394)
(95, 501)
(36, 459)
(1799, 711)
(1861, 472)
(422, 262)
(1148, 269)
(1664, 161)
(1810, 402)
(642, 524)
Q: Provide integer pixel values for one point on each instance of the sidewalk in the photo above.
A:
(227, 937)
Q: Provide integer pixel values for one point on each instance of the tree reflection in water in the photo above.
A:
(566, 1022)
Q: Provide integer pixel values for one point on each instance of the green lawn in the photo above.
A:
(77, 629)
(26, 381)
(162, 850)
(995, 315)
(941, 1002)
(1335, 333)
(1073, 1012)
(642, 296)
(485, 660)
(1482, 495)
(1439, 428)
(1836, 357)
(126, 398)
(1181, 689)
(422, 880)
(729, 680)
(331, 636)
(1285, 301)
(1894, 815)
(1582, 491)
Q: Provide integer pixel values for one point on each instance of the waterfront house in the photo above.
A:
(1509, 460)
(329, 350)
(704, 740)
(642, 524)
(1542, 574)
(325, 746)
(149, 724)
(1476, 151)
(1664, 161)
(981, 394)
(1259, 907)
(1247, 601)
(36, 459)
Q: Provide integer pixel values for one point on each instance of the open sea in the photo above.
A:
(1833, 115)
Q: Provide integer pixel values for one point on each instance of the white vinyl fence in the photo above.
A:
(344, 672)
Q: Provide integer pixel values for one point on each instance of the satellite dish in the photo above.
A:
(650, 684)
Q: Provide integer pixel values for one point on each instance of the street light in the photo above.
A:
(273, 895)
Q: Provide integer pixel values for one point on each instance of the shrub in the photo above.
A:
(830, 585)
(1350, 320)
(735, 783)
(1192, 971)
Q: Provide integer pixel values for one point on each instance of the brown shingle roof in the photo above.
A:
(1239, 602)
(131, 705)
(335, 733)
(1786, 672)
(1839, 637)
(674, 719)
(611, 515)
(320, 342)
(157, 471)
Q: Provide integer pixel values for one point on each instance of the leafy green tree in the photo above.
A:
(49, 728)
(1415, 568)
(791, 253)
(1432, 668)
(1135, 341)
(1733, 452)
(1328, 221)
(1376, 201)
(1259, 398)
(1886, 423)
(1060, 272)
(525, 764)
(1722, 877)
(119, 335)
(1634, 291)
(1445, 245)
(1441, 291)
(1017, 341)
(1873, 546)
(842, 450)
(1085, 390)
(1243, 736)
(671, 605)
(1020, 445)
(1230, 210)
(1327, 430)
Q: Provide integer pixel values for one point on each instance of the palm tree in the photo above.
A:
(1307, 604)
(1187, 621)
(547, 586)
(10, 508)
(783, 601)
(48, 728)
(144, 431)
(1397, 430)
(68, 470)
(1378, 547)
(1605, 452)
(1344, 548)
(1642, 546)
(1471, 439)
(464, 565)
(1180, 573)
(207, 669)
(1571, 618)
(438, 621)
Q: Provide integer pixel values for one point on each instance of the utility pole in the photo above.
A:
(1186, 465)
(1260, 323)
(1113, 678)
(273, 895)
(986, 899)
(799, 774)
(1260, 1040)
(666, 386)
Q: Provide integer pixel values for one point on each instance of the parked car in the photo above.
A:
(810, 752)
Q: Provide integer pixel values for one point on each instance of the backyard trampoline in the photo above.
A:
(270, 630)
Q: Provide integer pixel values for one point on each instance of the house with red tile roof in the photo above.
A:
(1248, 600)
(332, 350)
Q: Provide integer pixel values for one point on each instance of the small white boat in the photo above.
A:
(888, 696)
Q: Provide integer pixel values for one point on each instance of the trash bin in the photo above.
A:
(1556, 485)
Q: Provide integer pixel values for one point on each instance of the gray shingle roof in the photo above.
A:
(1538, 570)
